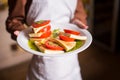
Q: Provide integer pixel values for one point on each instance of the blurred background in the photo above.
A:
(101, 61)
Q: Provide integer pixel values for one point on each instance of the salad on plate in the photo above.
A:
(44, 39)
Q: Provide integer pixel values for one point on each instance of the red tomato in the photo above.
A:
(66, 38)
(52, 45)
(41, 23)
(71, 31)
(45, 29)
(45, 34)
(36, 25)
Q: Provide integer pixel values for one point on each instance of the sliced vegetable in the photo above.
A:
(45, 34)
(71, 31)
(45, 29)
(65, 38)
(52, 45)
(40, 23)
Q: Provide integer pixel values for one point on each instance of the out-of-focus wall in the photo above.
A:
(3, 4)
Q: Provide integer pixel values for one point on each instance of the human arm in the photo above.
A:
(80, 16)
(16, 16)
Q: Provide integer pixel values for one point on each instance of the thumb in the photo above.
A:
(80, 24)
(16, 33)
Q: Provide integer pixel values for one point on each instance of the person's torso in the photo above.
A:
(54, 10)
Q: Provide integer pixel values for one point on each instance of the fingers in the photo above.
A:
(13, 25)
(80, 24)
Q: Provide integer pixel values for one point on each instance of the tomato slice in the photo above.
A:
(45, 29)
(52, 45)
(45, 34)
(40, 23)
(65, 38)
(71, 31)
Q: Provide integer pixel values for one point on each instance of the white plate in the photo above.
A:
(23, 38)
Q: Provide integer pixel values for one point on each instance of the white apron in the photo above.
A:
(60, 67)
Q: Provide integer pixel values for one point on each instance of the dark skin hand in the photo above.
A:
(14, 27)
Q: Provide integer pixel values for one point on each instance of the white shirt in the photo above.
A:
(54, 10)
(53, 68)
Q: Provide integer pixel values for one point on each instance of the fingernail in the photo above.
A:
(16, 33)
(86, 27)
